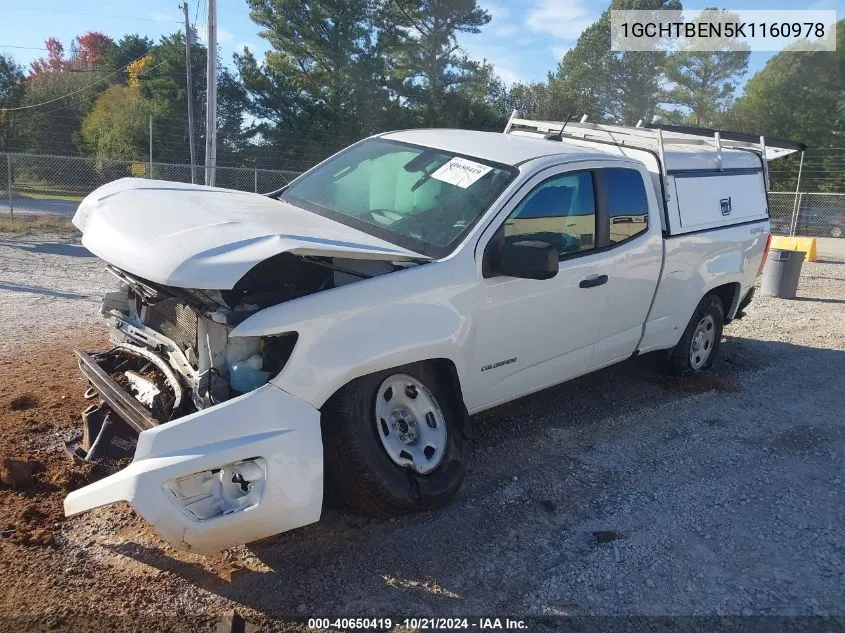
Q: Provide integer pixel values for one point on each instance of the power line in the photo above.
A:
(95, 15)
(91, 85)
(26, 48)
(233, 10)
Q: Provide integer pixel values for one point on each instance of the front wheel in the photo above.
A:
(393, 441)
(698, 347)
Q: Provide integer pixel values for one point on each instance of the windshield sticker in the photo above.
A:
(461, 172)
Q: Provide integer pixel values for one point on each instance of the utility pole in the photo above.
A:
(211, 97)
(796, 205)
(151, 147)
(192, 146)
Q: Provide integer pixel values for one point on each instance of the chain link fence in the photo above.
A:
(807, 214)
(37, 184)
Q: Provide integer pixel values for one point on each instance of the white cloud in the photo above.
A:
(240, 46)
(503, 57)
(162, 17)
(500, 23)
(505, 30)
(560, 51)
(223, 35)
(496, 11)
(508, 75)
(563, 20)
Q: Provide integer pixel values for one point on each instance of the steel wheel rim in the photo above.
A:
(410, 424)
(703, 340)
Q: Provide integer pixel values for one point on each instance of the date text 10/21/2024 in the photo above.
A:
(429, 623)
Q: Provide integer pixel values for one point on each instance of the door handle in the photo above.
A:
(592, 281)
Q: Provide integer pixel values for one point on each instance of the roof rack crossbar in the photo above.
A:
(650, 137)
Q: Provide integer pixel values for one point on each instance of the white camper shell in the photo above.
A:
(349, 324)
(680, 162)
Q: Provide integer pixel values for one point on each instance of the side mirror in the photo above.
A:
(528, 259)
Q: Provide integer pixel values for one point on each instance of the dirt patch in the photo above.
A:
(35, 471)
(24, 402)
(803, 439)
(699, 384)
(18, 473)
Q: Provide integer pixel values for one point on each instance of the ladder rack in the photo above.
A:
(656, 138)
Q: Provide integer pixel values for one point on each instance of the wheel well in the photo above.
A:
(447, 369)
(728, 294)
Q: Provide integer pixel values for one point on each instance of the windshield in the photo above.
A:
(419, 198)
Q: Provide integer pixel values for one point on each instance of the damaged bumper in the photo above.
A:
(233, 473)
(118, 399)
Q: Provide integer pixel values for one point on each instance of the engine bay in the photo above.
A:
(172, 354)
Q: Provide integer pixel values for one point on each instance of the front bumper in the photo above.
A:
(127, 407)
(268, 423)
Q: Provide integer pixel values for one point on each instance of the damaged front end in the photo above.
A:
(220, 456)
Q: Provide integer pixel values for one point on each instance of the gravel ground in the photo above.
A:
(49, 286)
(618, 493)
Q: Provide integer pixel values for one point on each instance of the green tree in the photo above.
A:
(62, 90)
(425, 62)
(704, 81)
(125, 50)
(607, 85)
(800, 95)
(117, 127)
(12, 83)
(162, 83)
(478, 102)
(53, 128)
(232, 135)
(321, 86)
(323, 67)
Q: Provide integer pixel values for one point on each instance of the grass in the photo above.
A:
(37, 224)
(48, 196)
(37, 194)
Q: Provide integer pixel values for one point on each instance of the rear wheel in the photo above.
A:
(393, 441)
(698, 347)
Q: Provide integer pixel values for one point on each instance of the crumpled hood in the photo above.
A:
(192, 236)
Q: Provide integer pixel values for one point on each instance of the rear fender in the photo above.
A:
(695, 265)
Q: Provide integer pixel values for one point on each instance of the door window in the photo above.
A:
(560, 211)
(627, 204)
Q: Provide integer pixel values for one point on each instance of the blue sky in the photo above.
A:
(524, 40)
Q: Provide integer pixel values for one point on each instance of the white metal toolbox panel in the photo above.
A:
(718, 199)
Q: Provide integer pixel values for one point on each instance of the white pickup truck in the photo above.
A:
(351, 322)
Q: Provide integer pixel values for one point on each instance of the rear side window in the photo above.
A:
(627, 204)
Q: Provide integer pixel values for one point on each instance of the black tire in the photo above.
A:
(679, 362)
(359, 469)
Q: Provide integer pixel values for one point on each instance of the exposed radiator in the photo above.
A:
(176, 320)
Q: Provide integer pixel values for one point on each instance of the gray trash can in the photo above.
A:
(783, 269)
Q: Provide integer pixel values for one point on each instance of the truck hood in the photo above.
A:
(192, 236)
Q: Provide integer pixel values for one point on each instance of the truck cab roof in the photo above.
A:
(501, 148)
(519, 147)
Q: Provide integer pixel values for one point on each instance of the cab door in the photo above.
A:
(635, 254)
(529, 334)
